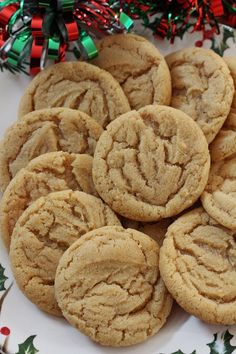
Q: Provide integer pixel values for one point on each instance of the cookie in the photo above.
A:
(198, 266)
(155, 230)
(231, 62)
(219, 196)
(51, 172)
(202, 87)
(76, 85)
(45, 131)
(224, 144)
(109, 287)
(43, 233)
(139, 68)
(151, 164)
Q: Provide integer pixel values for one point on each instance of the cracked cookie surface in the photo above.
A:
(224, 144)
(51, 172)
(42, 234)
(139, 68)
(198, 266)
(109, 287)
(231, 63)
(202, 87)
(155, 230)
(76, 85)
(45, 131)
(151, 164)
(219, 196)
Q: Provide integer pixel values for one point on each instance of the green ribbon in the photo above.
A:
(13, 20)
(45, 3)
(67, 5)
(229, 7)
(50, 28)
(22, 2)
(28, 7)
(62, 27)
(7, 3)
(76, 52)
(126, 21)
(19, 48)
(88, 45)
(53, 48)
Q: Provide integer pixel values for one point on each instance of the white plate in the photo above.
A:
(54, 336)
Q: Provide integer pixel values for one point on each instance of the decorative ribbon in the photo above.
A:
(38, 30)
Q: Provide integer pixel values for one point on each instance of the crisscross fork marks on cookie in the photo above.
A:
(198, 266)
(119, 296)
(144, 152)
(46, 131)
(42, 234)
(202, 87)
(88, 89)
(139, 68)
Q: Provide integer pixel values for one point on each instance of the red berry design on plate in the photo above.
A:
(5, 331)
(209, 34)
(198, 44)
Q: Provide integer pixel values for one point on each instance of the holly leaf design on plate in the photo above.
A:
(219, 48)
(27, 347)
(3, 278)
(180, 352)
(222, 345)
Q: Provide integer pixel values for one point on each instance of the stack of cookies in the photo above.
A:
(98, 173)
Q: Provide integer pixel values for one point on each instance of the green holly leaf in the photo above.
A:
(228, 33)
(3, 278)
(221, 47)
(27, 347)
(180, 352)
(222, 345)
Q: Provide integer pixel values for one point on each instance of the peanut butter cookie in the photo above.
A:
(202, 87)
(51, 172)
(139, 68)
(198, 266)
(231, 62)
(45, 131)
(224, 144)
(76, 85)
(42, 234)
(219, 196)
(109, 287)
(151, 164)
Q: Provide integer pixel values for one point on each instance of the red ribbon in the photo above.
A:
(217, 8)
(37, 26)
(62, 52)
(6, 13)
(35, 57)
(215, 5)
(95, 14)
(72, 30)
(37, 45)
(1, 40)
(231, 21)
(162, 28)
